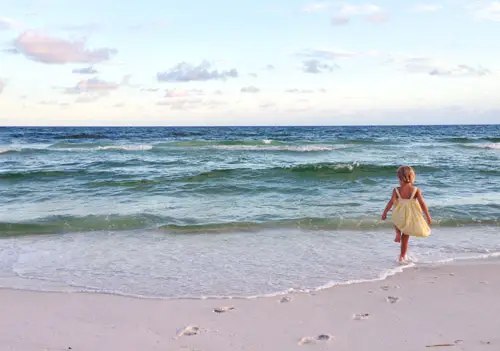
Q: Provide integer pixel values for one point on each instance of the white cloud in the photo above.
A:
(190, 104)
(334, 54)
(250, 89)
(3, 83)
(7, 23)
(432, 67)
(317, 7)
(339, 21)
(372, 13)
(488, 11)
(175, 93)
(426, 8)
(378, 17)
(322, 60)
(365, 9)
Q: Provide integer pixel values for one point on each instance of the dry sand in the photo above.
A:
(457, 306)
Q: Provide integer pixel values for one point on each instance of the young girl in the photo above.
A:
(407, 212)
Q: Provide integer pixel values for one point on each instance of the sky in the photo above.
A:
(249, 62)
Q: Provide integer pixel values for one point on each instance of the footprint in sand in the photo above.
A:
(392, 299)
(387, 287)
(307, 340)
(361, 316)
(285, 299)
(189, 331)
(223, 309)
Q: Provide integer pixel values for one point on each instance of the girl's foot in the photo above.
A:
(397, 239)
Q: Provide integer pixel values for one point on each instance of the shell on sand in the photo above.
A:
(189, 331)
(361, 316)
(312, 340)
(223, 309)
(285, 299)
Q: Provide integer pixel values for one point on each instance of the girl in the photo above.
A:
(407, 212)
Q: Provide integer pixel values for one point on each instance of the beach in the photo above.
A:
(120, 238)
(451, 307)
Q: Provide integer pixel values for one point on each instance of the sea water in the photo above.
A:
(246, 211)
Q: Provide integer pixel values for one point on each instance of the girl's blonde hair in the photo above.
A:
(406, 174)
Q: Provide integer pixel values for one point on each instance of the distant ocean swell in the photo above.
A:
(228, 145)
(308, 170)
(91, 223)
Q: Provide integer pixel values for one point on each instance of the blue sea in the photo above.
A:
(235, 212)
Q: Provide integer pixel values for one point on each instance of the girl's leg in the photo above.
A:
(397, 239)
(404, 246)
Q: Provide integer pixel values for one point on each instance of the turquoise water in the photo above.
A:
(191, 212)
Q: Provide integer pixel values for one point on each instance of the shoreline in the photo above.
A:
(455, 305)
(487, 258)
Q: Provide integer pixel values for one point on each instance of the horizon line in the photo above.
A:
(251, 126)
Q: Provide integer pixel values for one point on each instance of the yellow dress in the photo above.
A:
(407, 216)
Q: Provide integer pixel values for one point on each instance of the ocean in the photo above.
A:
(235, 211)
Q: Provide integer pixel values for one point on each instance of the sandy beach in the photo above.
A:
(451, 307)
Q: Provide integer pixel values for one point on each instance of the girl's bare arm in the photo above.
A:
(421, 201)
(389, 205)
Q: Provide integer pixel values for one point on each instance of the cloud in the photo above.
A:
(267, 105)
(339, 21)
(96, 86)
(7, 23)
(184, 72)
(426, 8)
(12, 51)
(175, 93)
(270, 67)
(372, 13)
(85, 70)
(85, 99)
(365, 9)
(316, 66)
(3, 83)
(486, 11)
(150, 90)
(321, 60)
(299, 91)
(118, 105)
(327, 54)
(48, 102)
(152, 24)
(88, 27)
(254, 75)
(250, 89)
(317, 7)
(190, 104)
(425, 65)
(39, 47)
(380, 17)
